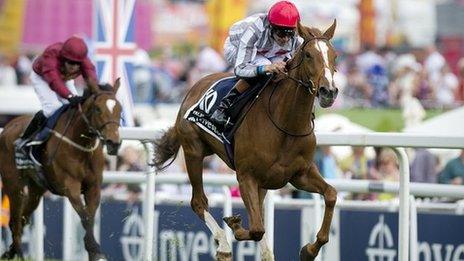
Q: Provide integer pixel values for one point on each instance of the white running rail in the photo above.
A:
(396, 141)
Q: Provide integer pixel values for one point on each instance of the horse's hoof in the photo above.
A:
(11, 254)
(222, 256)
(6, 255)
(99, 257)
(305, 255)
(230, 221)
(267, 256)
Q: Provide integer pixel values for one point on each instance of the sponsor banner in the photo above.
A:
(374, 236)
(181, 235)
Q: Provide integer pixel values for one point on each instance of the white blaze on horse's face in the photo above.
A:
(324, 49)
(110, 103)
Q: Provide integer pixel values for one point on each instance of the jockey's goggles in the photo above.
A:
(71, 62)
(283, 32)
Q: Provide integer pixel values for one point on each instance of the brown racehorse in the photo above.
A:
(274, 144)
(73, 164)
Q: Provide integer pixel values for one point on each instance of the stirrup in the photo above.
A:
(20, 143)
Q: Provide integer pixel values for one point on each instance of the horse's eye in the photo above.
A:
(308, 55)
(97, 110)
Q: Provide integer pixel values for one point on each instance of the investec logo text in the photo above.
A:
(175, 244)
(381, 247)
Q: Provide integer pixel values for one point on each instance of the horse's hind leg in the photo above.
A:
(199, 202)
(266, 251)
(87, 215)
(16, 197)
(311, 180)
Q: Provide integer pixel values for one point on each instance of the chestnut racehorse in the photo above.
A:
(72, 164)
(274, 144)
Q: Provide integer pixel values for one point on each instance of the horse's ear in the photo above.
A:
(92, 86)
(116, 85)
(329, 33)
(302, 31)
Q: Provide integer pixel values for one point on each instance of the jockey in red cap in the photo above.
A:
(257, 46)
(53, 79)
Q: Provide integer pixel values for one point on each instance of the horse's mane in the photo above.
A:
(315, 31)
(102, 87)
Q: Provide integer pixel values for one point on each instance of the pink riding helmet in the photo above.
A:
(284, 14)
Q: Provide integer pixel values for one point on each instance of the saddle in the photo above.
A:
(34, 148)
(200, 112)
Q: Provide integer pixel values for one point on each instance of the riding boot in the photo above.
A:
(34, 125)
(220, 115)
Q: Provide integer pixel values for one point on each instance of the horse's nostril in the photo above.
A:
(324, 90)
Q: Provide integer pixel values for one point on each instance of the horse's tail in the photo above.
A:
(166, 148)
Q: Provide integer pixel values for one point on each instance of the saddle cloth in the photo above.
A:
(201, 111)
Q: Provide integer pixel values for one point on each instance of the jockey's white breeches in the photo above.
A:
(49, 99)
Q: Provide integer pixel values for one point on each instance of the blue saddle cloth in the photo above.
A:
(201, 111)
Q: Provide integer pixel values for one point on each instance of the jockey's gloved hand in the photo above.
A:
(277, 67)
(74, 100)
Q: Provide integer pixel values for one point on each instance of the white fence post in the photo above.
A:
(269, 218)
(227, 208)
(38, 233)
(149, 204)
(414, 254)
(403, 216)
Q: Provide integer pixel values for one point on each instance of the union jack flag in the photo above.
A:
(114, 48)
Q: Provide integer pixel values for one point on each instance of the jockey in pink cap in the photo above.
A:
(257, 46)
(53, 79)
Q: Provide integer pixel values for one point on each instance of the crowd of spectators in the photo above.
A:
(374, 77)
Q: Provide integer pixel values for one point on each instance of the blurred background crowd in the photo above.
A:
(399, 63)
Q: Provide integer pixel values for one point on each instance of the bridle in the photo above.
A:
(309, 87)
(92, 129)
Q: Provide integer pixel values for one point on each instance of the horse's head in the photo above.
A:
(102, 113)
(314, 63)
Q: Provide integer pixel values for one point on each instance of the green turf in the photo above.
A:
(383, 120)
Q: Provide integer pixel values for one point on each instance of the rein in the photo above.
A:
(92, 130)
(310, 87)
(74, 144)
(282, 129)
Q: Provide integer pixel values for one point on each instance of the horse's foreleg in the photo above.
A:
(33, 200)
(199, 204)
(250, 195)
(87, 215)
(311, 180)
(92, 200)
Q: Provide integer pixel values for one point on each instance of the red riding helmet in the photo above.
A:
(74, 49)
(284, 14)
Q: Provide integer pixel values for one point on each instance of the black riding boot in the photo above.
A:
(36, 123)
(219, 116)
